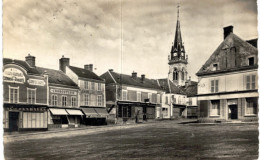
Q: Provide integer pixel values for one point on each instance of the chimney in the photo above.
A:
(30, 60)
(134, 75)
(63, 63)
(110, 70)
(142, 77)
(90, 67)
(186, 84)
(86, 67)
(227, 31)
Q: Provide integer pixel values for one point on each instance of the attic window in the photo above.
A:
(251, 61)
(215, 67)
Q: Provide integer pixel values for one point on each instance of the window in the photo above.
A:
(214, 86)
(73, 101)
(99, 100)
(251, 106)
(54, 100)
(86, 99)
(182, 75)
(251, 61)
(166, 100)
(64, 100)
(215, 67)
(175, 74)
(250, 82)
(150, 97)
(138, 97)
(190, 101)
(124, 95)
(158, 98)
(31, 94)
(13, 95)
(93, 85)
(86, 86)
(99, 86)
(215, 108)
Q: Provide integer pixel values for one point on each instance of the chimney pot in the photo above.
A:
(30, 60)
(90, 67)
(143, 77)
(134, 75)
(64, 62)
(111, 70)
(227, 30)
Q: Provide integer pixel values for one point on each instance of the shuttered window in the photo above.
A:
(251, 82)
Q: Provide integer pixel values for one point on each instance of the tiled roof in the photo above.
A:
(23, 64)
(128, 80)
(57, 77)
(191, 90)
(169, 86)
(231, 55)
(83, 73)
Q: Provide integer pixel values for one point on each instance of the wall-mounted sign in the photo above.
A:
(36, 82)
(63, 91)
(13, 75)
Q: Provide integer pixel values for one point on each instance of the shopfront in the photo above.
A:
(95, 115)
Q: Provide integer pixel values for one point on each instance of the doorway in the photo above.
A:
(13, 121)
(232, 112)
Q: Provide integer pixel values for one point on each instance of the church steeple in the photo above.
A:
(178, 50)
(177, 59)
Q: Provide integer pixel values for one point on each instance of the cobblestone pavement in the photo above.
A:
(164, 140)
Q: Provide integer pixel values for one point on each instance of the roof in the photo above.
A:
(113, 77)
(83, 73)
(169, 86)
(191, 90)
(231, 55)
(21, 63)
(57, 77)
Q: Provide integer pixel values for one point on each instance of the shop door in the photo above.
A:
(232, 112)
(124, 110)
(13, 121)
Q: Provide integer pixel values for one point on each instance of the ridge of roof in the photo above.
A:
(83, 73)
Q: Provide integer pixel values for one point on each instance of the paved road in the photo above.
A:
(165, 140)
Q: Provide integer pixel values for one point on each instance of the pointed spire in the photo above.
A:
(177, 44)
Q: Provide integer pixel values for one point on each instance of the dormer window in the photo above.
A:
(215, 67)
(251, 61)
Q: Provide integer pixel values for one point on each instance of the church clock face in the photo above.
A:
(175, 54)
(182, 54)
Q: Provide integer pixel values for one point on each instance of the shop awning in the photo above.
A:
(102, 112)
(74, 112)
(90, 112)
(56, 111)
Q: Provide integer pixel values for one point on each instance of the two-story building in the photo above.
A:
(132, 98)
(25, 95)
(173, 101)
(63, 93)
(228, 81)
(92, 98)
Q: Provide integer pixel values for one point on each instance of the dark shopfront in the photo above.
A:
(94, 116)
(137, 111)
(24, 117)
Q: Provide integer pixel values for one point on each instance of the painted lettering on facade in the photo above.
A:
(62, 91)
(36, 82)
(13, 75)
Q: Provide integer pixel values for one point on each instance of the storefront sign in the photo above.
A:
(62, 91)
(36, 82)
(13, 75)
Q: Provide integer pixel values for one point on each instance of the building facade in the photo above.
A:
(25, 96)
(92, 98)
(132, 98)
(228, 81)
(63, 93)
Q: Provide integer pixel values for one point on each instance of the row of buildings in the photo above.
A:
(37, 98)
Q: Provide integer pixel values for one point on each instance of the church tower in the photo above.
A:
(177, 59)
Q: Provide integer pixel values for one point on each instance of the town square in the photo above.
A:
(121, 79)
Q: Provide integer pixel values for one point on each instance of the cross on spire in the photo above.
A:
(178, 7)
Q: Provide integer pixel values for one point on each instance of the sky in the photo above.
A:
(122, 35)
